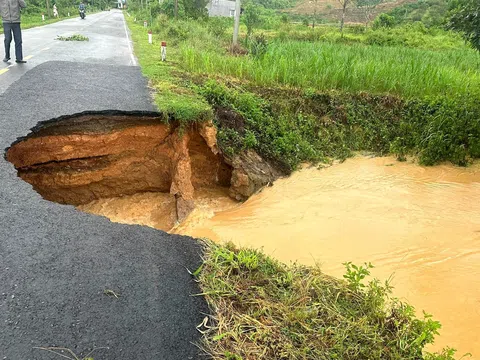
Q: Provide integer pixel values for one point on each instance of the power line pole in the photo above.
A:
(237, 22)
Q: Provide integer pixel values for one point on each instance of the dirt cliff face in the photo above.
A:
(86, 157)
(89, 157)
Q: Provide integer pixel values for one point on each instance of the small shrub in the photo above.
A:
(217, 26)
(383, 21)
(258, 46)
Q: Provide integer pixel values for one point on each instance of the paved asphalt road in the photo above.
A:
(56, 262)
(108, 44)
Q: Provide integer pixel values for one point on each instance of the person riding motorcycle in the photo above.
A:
(81, 8)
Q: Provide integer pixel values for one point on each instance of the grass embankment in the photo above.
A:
(266, 310)
(170, 93)
(349, 97)
(261, 308)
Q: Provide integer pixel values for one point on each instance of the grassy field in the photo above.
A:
(323, 66)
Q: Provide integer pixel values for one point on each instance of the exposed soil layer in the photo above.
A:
(90, 156)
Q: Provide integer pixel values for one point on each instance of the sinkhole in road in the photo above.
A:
(150, 166)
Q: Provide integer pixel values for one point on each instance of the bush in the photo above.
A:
(289, 128)
(383, 21)
(217, 26)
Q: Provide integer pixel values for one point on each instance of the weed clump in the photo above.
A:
(267, 310)
(75, 37)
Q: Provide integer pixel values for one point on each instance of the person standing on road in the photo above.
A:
(10, 12)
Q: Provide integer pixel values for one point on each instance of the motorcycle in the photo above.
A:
(82, 14)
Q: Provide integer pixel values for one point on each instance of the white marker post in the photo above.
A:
(68, 14)
(145, 24)
(150, 40)
(164, 51)
(43, 17)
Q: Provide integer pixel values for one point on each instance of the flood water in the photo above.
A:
(421, 224)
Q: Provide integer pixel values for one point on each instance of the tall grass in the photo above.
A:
(352, 68)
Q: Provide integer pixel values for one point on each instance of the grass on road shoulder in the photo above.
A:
(171, 96)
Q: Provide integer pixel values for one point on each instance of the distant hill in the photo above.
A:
(330, 10)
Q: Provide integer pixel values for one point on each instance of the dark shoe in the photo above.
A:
(20, 61)
(6, 59)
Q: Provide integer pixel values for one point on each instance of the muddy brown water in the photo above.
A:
(421, 224)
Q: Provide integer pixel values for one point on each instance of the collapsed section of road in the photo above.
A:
(94, 155)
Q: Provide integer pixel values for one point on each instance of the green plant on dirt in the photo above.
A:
(267, 310)
(258, 46)
(217, 26)
(75, 37)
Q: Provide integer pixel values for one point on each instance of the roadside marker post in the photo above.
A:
(150, 40)
(164, 51)
(43, 17)
(145, 24)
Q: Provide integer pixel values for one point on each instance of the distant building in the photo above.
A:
(221, 8)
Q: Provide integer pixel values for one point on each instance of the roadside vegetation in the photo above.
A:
(75, 37)
(297, 94)
(266, 310)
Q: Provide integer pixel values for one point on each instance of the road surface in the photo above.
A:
(108, 43)
(56, 262)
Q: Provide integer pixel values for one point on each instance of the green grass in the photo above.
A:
(170, 93)
(267, 310)
(348, 68)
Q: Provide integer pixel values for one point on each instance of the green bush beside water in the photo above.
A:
(291, 127)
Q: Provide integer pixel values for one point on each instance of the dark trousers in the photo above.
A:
(8, 29)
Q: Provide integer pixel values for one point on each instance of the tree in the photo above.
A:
(465, 18)
(251, 18)
(195, 8)
(367, 6)
(344, 4)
